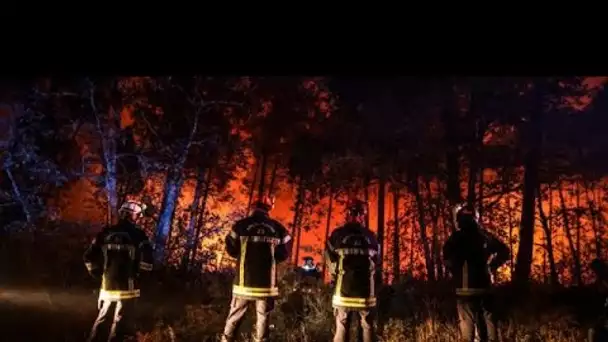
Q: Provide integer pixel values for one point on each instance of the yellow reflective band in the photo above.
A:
(118, 294)
(357, 251)
(350, 302)
(244, 240)
(145, 266)
(266, 239)
(470, 292)
(255, 291)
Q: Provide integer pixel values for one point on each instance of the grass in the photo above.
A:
(62, 306)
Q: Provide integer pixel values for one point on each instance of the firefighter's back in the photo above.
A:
(259, 236)
(356, 248)
(119, 245)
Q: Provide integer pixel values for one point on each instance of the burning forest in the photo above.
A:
(198, 154)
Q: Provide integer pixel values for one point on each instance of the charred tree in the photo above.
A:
(553, 277)
(253, 183)
(531, 164)
(396, 256)
(381, 208)
(576, 270)
(430, 266)
(328, 224)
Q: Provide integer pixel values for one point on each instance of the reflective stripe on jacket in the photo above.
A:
(258, 243)
(118, 254)
(354, 250)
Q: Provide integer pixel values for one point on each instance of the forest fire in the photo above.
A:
(527, 153)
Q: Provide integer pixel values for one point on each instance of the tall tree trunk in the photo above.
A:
(366, 195)
(261, 184)
(511, 227)
(554, 279)
(430, 267)
(273, 177)
(201, 216)
(472, 182)
(434, 212)
(297, 219)
(412, 243)
(328, 224)
(17, 193)
(452, 142)
(381, 198)
(480, 192)
(593, 213)
(253, 183)
(173, 186)
(573, 252)
(396, 256)
(526, 231)
(190, 243)
(577, 212)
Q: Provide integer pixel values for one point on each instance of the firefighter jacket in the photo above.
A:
(352, 251)
(117, 255)
(472, 256)
(258, 243)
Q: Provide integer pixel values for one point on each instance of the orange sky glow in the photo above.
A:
(79, 195)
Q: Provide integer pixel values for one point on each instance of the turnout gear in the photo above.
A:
(118, 254)
(258, 243)
(353, 251)
(472, 255)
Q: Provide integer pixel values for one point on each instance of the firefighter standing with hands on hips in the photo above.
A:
(352, 253)
(472, 256)
(117, 255)
(258, 243)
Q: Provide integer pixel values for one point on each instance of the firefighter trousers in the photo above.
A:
(114, 322)
(477, 311)
(344, 318)
(238, 309)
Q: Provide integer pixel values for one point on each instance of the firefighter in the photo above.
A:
(258, 243)
(472, 255)
(352, 253)
(599, 332)
(308, 275)
(117, 255)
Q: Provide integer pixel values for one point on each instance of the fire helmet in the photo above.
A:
(355, 208)
(464, 210)
(133, 207)
(265, 203)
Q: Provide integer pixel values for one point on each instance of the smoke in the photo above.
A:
(48, 299)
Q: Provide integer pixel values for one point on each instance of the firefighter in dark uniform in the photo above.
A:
(352, 253)
(472, 255)
(117, 256)
(258, 243)
(599, 332)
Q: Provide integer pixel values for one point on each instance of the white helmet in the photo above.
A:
(465, 206)
(133, 207)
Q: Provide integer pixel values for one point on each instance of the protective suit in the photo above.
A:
(259, 244)
(472, 255)
(117, 255)
(352, 251)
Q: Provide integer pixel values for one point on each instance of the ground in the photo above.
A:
(197, 314)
